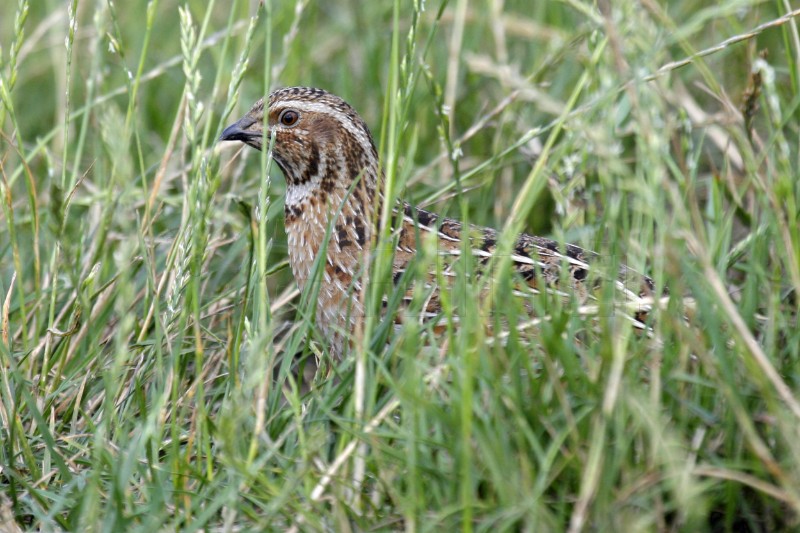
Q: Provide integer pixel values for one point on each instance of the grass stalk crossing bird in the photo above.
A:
(334, 179)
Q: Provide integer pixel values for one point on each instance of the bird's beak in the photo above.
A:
(245, 130)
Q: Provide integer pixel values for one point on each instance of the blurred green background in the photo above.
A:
(145, 309)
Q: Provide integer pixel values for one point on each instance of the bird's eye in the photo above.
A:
(289, 117)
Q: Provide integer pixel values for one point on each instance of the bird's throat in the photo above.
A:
(309, 215)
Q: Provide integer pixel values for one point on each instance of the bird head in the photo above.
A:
(318, 140)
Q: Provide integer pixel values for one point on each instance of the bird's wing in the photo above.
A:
(540, 264)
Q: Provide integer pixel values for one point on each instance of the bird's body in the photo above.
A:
(333, 175)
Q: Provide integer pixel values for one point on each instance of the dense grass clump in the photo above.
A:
(159, 370)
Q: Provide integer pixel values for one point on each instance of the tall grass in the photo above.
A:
(158, 368)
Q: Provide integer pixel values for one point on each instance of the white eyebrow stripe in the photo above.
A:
(343, 118)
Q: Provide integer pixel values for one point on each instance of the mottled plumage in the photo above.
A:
(326, 153)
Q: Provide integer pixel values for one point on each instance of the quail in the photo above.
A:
(334, 179)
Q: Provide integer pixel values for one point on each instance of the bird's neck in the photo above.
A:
(340, 195)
